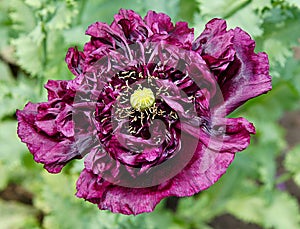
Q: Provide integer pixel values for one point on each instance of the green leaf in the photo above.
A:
(55, 197)
(5, 26)
(281, 33)
(11, 152)
(5, 74)
(247, 19)
(199, 205)
(75, 36)
(219, 8)
(14, 94)
(247, 208)
(22, 16)
(159, 218)
(269, 107)
(56, 68)
(242, 14)
(278, 211)
(292, 162)
(277, 51)
(29, 51)
(4, 176)
(11, 146)
(110, 7)
(37, 45)
(290, 73)
(64, 13)
(283, 212)
(261, 5)
(34, 3)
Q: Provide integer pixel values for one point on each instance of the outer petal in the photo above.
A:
(241, 73)
(74, 60)
(251, 79)
(236, 136)
(159, 23)
(90, 187)
(205, 168)
(115, 198)
(163, 29)
(103, 35)
(131, 25)
(215, 45)
(182, 34)
(54, 153)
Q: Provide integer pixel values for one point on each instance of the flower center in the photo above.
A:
(142, 99)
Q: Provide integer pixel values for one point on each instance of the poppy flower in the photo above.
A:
(147, 109)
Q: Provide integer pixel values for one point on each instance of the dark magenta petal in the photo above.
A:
(159, 23)
(205, 168)
(48, 126)
(99, 30)
(215, 45)
(241, 73)
(247, 76)
(182, 34)
(90, 186)
(53, 152)
(56, 88)
(103, 36)
(163, 29)
(64, 122)
(98, 161)
(131, 25)
(236, 136)
(227, 135)
(114, 198)
(74, 60)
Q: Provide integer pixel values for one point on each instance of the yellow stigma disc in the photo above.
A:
(142, 99)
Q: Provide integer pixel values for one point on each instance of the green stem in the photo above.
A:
(236, 9)
(44, 57)
(81, 11)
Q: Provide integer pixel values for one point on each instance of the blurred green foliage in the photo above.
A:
(35, 35)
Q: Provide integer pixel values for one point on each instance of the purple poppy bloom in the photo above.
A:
(147, 109)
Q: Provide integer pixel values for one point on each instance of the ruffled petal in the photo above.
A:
(115, 198)
(182, 35)
(224, 136)
(247, 76)
(163, 29)
(228, 135)
(131, 25)
(159, 23)
(56, 88)
(205, 168)
(215, 45)
(75, 60)
(103, 35)
(241, 73)
(90, 186)
(54, 153)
